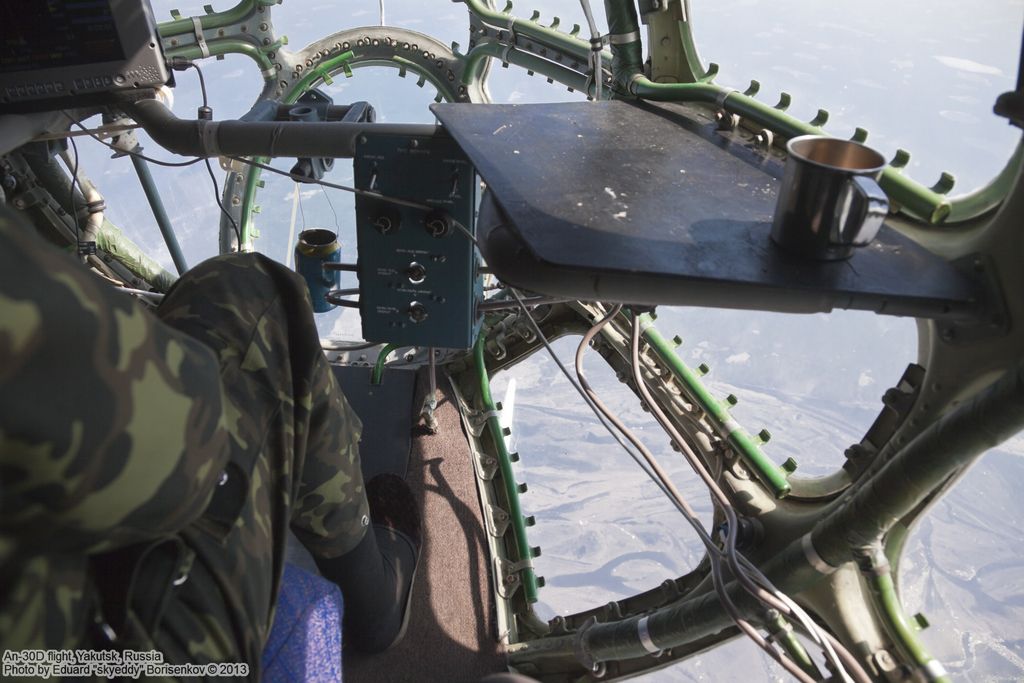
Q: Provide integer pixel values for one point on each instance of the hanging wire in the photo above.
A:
(207, 112)
(140, 155)
(337, 223)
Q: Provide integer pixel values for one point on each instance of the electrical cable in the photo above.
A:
(677, 499)
(216, 195)
(345, 188)
(351, 347)
(205, 112)
(738, 565)
(334, 297)
(586, 399)
(202, 81)
(680, 502)
(732, 523)
(663, 482)
(489, 305)
(121, 152)
(600, 409)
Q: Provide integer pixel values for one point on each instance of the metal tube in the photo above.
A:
(159, 213)
(230, 16)
(92, 200)
(878, 575)
(624, 34)
(224, 46)
(111, 240)
(923, 466)
(579, 49)
(433, 373)
(768, 472)
(563, 74)
(782, 632)
(529, 577)
(108, 238)
(335, 139)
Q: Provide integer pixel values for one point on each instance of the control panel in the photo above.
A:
(419, 280)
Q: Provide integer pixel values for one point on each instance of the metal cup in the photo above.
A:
(830, 201)
(314, 248)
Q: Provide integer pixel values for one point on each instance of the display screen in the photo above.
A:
(42, 34)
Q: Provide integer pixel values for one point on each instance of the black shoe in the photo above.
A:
(376, 577)
(397, 527)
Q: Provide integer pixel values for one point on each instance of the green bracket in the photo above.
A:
(820, 120)
(746, 446)
(945, 184)
(900, 159)
(528, 579)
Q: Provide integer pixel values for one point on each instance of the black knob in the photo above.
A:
(386, 221)
(417, 312)
(416, 273)
(438, 223)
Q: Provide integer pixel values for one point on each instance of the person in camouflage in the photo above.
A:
(151, 465)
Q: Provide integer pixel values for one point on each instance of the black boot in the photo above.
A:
(376, 576)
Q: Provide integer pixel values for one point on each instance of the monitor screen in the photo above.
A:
(60, 53)
(40, 34)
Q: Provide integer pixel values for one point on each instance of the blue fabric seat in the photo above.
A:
(305, 639)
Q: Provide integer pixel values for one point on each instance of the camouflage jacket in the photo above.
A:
(151, 465)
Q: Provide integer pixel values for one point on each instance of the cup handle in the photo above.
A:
(868, 207)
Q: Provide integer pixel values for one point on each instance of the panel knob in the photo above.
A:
(416, 273)
(438, 223)
(417, 312)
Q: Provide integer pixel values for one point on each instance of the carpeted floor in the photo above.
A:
(451, 631)
(451, 634)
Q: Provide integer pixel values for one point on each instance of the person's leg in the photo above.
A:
(287, 405)
(252, 313)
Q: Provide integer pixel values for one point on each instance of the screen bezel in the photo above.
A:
(142, 68)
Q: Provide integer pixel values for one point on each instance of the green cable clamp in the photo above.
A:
(770, 474)
(530, 581)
